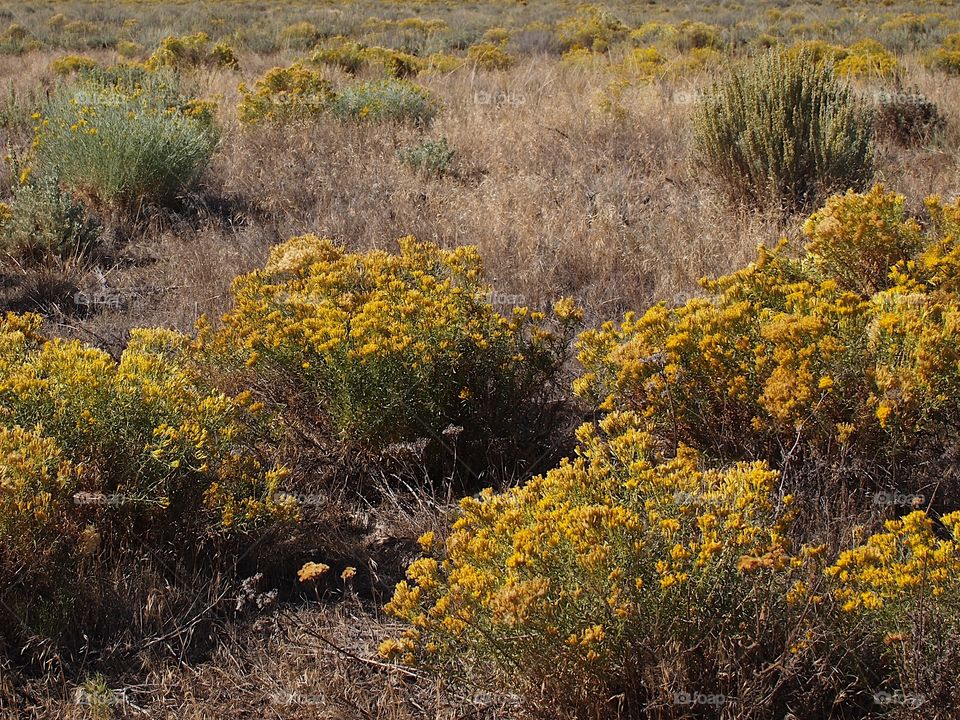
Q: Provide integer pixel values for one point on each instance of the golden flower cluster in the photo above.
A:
(146, 429)
(285, 94)
(851, 348)
(389, 347)
(651, 538)
(906, 566)
(192, 51)
(864, 59)
(602, 553)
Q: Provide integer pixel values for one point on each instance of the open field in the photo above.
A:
(239, 404)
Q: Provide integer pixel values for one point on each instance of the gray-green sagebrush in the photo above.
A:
(785, 131)
(125, 139)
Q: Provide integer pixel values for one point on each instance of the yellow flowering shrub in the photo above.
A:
(128, 49)
(340, 52)
(440, 63)
(867, 58)
(654, 31)
(496, 35)
(352, 56)
(856, 239)
(284, 94)
(847, 354)
(696, 35)
(70, 64)
(391, 62)
(144, 430)
(300, 35)
(897, 570)
(223, 55)
(192, 51)
(489, 56)
(864, 59)
(946, 58)
(644, 63)
(382, 347)
(579, 57)
(592, 27)
(96, 452)
(588, 581)
(36, 488)
(697, 60)
(900, 591)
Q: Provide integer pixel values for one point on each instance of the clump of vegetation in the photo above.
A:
(384, 348)
(839, 361)
(597, 580)
(299, 92)
(44, 223)
(695, 35)
(651, 563)
(285, 94)
(689, 64)
(124, 138)
(192, 51)
(386, 100)
(392, 62)
(866, 59)
(441, 63)
(643, 63)
(129, 50)
(302, 35)
(584, 58)
(351, 56)
(907, 118)
(340, 52)
(71, 64)
(785, 131)
(655, 31)
(900, 587)
(946, 58)
(592, 27)
(489, 56)
(16, 40)
(496, 35)
(90, 445)
(433, 157)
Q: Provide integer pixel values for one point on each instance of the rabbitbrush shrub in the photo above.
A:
(489, 56)
(374, 348)
(192, 51)
(846, 357)
(145, 427)
(92, 448)
(785, 131)
(285, 94)
(618, 581)
(623, 581)
(947, 57)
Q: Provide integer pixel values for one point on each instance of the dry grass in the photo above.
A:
(314, 661)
